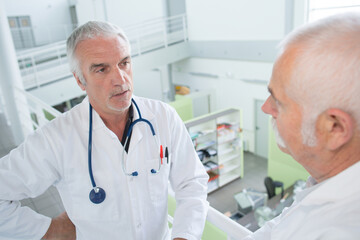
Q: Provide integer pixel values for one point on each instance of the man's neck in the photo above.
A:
(334, 163)
(116, 123)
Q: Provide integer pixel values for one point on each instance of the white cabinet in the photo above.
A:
(217, 138)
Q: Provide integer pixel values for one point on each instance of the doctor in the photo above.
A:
(314, 102)
(110, 158)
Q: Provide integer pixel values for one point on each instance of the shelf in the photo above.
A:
(229, 123)
(228, 178)
(224, 152)
(202, 133)
(226, 140)
(210, 166)
(229, 168)
(204, 145)
(233, 124)
(221, 133)
(229, 158)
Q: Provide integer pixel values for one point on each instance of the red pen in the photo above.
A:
(161, 154)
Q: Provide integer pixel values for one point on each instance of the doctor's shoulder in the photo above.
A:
(67, 123)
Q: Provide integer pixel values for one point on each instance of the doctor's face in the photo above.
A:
(106, 66)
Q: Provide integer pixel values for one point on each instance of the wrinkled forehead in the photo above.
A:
(103, 46)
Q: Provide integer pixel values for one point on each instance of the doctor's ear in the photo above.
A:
(79, 82)
(338, 127)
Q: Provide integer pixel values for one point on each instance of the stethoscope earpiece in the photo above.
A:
(97, 195)
(153, 171)
(134, 174)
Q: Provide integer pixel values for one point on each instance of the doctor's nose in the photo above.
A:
(118, 77)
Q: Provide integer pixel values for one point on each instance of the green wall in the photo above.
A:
(183, 106)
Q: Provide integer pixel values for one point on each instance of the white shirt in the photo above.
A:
(134, 207)
(328, 210)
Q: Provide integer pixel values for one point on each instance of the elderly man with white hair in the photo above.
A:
(315, 105)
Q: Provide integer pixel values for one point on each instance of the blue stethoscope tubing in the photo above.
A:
(97, 194)
(140, 119)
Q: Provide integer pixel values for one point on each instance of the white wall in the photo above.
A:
(230, 89)
(235, 19)
(148, 84)
(50, 18)
(120, 12)
(231, 20)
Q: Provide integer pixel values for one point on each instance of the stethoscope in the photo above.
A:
(97, 194)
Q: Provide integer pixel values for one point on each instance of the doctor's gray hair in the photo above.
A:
(325, 72)
(90, 30)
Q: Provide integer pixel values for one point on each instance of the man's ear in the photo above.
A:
(79, 82)
(338, 127)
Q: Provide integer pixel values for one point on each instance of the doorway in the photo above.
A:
(261, 130)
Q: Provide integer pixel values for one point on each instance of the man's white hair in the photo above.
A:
(90, 30)
(326, 69)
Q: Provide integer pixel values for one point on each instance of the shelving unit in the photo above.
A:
(217, 138)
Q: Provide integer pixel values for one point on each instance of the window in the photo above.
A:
(324, 8)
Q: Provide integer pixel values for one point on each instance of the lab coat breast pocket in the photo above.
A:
(157, 183)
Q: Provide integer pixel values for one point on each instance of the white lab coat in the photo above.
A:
(135, 207)
(329, 210)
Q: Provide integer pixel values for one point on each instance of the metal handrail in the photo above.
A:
(230, 227)
(51, 48)
(151, 21)
(40, 103)
(144, 37)
(39, 111)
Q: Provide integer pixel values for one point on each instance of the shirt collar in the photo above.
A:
(335, 188)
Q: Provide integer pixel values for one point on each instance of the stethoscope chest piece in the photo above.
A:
(97, 195)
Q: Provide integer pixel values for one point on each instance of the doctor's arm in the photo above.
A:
(188, 179)
(25, 172)
(61, 227)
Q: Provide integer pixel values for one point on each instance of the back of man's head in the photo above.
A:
(326, 69)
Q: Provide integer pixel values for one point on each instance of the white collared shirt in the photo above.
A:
(329, 210)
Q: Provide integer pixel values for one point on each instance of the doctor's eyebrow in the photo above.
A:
(126, 58)
(94, 66)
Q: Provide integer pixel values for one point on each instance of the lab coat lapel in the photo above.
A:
(140, 129)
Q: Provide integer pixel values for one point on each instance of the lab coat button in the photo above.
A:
(139, 225)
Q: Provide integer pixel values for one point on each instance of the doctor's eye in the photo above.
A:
(101, 70)
(125, 63)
